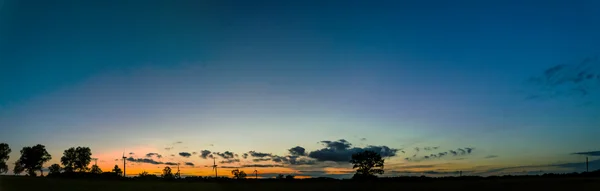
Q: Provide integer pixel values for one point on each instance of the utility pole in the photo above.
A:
(587, 165)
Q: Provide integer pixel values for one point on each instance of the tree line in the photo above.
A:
(75, 162)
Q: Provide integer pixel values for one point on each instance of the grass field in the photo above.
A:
(12, 183)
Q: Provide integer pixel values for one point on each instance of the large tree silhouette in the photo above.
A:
(117, 170)
(4, 151)
(238, 174)
(95, 170)
(54, 169)
(167, 174)
(32, 159)
(76, 159)
(367, 164)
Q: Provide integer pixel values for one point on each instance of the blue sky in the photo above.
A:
(269, 75)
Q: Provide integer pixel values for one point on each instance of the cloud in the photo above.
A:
(149, 155)
(225, 155)
(230, 160)
(149, 161)
(189, 164)
(172, 155)
(491, 156)
(204, 154)
(168, 148)
(363, 139)
(185, 154)
(341, 144)
(194, 153)
(131, 153)
(430, 148)
(297, 151)
(178, 142)
(253, 166)
(261, 159)
(565, 167)
(590, 153)
(245, 155)
(417, 149)
(259, 154)
(171, 163)
(340, 151)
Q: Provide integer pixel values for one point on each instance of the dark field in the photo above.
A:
(11, 183)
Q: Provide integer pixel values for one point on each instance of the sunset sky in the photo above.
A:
(434, 86)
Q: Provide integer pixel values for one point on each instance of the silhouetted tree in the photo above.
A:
(76, 159)
(238, 174)
(95, 170)
(54, 170)
(289, 177)
(368, 163)
(32, 159)
(117, 170)
(279, 176)
(4, 151)
(143, 173)
(167, 174)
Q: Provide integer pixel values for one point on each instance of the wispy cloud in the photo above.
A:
(590, 153)
(491, 156)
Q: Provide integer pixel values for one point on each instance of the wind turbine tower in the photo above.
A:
(124, 163)
(215, 166)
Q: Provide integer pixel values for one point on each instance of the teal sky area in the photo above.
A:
(266, 76)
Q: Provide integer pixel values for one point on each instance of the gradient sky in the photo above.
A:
(133, 76)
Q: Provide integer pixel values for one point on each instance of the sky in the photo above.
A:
(484, 87)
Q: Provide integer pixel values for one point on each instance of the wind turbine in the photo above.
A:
(178, 174)
(215, 166)
(255, 173)
(124, 161)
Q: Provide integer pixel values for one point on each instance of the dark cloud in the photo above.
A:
(225, 155)
(230, 160)
(491, 156)
(261, 159)
(262, 165)
(172, 155)
(253, 165)
(417, 149)
(341, 151)
(185, 154)
(245, 155)
(149, 161)
(204, 154)
(590, 153)
(168, 148)
(131, 153)
(259, 154)
(297, 151)
(341, 144)
(194, 153)
(455, 152)
(178, 142)
(171, 163)
(189, 164)
(149, 155)
(363, 139)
